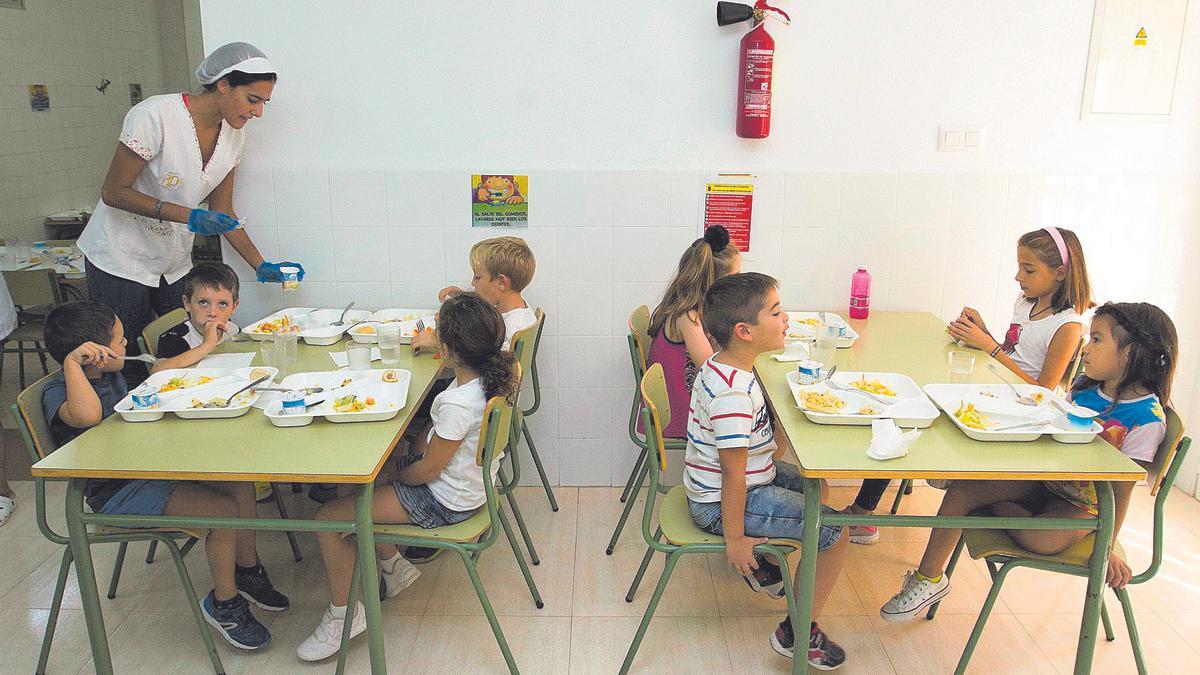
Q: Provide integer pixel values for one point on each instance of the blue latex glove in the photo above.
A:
(210, 222)
(268, 272)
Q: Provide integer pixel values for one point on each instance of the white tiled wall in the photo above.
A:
(55, 160)
(608, 241)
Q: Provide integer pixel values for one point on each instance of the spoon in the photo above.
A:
(341, 320)
(229, 400)
(1072, 409)
(1021, 398)
(307, 390)
(874, 397)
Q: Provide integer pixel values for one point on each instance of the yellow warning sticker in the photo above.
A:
(1140, 39)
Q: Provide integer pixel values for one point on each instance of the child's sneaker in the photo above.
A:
(234, 621)
(939, 483)
(915, 597)
(421, 554)
(321, 493)
(254, 585)
(864, 534)
(395, 575)
(823, 653)
(768, 578)
(262, 492)
(327, 638)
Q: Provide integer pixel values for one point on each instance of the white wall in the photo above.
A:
(360, 167)
(56, 160)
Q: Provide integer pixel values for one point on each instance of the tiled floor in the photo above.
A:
(708, 621)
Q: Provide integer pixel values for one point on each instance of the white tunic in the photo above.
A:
(8, 312)
(161, 131)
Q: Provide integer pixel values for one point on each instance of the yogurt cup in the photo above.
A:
(291, 278)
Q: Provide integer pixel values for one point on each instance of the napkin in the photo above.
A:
(794, 351)
(342, 359)
(888, 441)
(227, 361)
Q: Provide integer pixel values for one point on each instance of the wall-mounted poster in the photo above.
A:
(499, 200)
(729, 202)
(135, 93)
(39, 97)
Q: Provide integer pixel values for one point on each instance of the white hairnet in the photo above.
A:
(241, 56)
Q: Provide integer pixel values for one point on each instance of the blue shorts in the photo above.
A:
(140, 498)
(775, 509)
(424, 509)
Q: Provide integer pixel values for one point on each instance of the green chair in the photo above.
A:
(35, 429)
(524, 348)
(519, 425)
(34, 292)
(148, 342)
(675, 519)
(469, 538)
(1003, 554)
(639, 351)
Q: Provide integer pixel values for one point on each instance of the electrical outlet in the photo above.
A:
(960, 139)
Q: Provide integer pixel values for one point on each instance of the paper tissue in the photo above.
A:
(888, 441)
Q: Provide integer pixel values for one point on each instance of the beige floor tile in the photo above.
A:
(1186, 624)
(290, 629)
(21, 639)
(914, 504)
(1184, 509)
(154, 641)
(734, 597)
(22, 556)
(601, 581)
(1057, 635)
(554, 538)
(922, 646)
(23, 522)
(1176, 587)
(748, 640)
(877, 575)
(539, 644)
(672, 644)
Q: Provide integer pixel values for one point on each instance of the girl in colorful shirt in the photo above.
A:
(1129, 362)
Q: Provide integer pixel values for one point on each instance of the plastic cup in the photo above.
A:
(960, 364)
(287, 348)
(389, 343)
(825, 346)
(291, 278)
(359, 355)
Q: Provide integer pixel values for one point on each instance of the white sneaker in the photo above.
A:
(7, 506)
(939, 483)
(915, 597)
(327, 638)
(397, 574)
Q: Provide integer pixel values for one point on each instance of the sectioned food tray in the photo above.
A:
(181, 389)
(310, 324)
(407, 318)
(994, 407)
(803, 326)
(381, 393)
(911, 408)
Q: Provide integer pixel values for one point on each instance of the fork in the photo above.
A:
(230, 399)
(842, 387)
(1021, 398)
(144, 358)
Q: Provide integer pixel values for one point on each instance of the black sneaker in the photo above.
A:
(768, 578)
(823, 653)
(235, 622)
(321, 493)
(420, 554)
(254, 585)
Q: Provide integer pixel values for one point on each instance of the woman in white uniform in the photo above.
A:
(175, 151)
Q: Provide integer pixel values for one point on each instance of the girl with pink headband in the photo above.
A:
(1047, 323)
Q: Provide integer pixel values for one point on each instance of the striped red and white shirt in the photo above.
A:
(727, 412)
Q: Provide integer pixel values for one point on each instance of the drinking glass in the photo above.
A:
(287, 345)
(960, 365)
(359, 355)
(825, 346)
(389, 343)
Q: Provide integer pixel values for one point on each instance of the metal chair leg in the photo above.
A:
(637, 578)
(958, 548)
(537, 463)
(516, 549)
(905, 489)
(351, 608)
(637, 467)
(21, 363)
(276, 493)
(187, 546)
(516, 509)
(116, 573)
(41, 354)
(1131, 624)
(491, 614)
(1108, 629)
(637, 485)
(976, 632)
(60, 587)
(150, 552)
(672, 558)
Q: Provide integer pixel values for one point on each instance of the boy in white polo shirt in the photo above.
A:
(734, 486)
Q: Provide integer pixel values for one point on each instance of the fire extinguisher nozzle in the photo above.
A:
(729, 13)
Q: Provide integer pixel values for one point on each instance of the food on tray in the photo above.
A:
(971, 418)
(346, 382)
(365, 330)
(1038, 397)
(868, 410)
(352, 403)
(987, 394)
(259, 372)
(873, 387)
(183, 383)
(390, 376)
(814, 322)
(822, 402)
(217, 402)
(283, 324)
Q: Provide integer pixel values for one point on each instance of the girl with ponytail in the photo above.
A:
(677, 338)
(439, 482)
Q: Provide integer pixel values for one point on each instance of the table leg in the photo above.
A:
(86, 575)
(807, 575)
(364, 529)
(1098, 565)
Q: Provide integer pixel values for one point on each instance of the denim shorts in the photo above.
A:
(775, 509)
(424, 509)
(140, 498)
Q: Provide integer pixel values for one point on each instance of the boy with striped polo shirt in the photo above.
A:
(734, 486)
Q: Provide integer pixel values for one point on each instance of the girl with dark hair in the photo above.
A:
(439, 482)
(677, 338)
(175, 151)
(1128, 363)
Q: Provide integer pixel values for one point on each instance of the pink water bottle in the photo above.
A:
(860, 294)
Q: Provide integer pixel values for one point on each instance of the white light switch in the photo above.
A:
(960, 139)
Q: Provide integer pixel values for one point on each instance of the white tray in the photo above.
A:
(312, 324)
(801, 328)
(911, 409)
(997, 403)
(390, 397)
(407, 318)
(179, 401)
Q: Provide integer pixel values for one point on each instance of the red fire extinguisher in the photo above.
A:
(754, 66)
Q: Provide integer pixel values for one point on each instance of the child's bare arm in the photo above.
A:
(212, 338)
(82, 408)
(739, 549)
(437, 454)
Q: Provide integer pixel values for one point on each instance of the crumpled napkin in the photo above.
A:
(341, 359)
(794, 351)
(888, 441)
